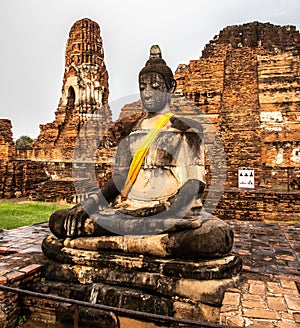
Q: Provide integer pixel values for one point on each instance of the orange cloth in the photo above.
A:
(142, 151)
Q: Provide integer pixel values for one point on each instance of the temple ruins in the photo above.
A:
(245, 86)
(246, 83)
(45, 172)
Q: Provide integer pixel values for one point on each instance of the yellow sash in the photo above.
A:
(142, 151)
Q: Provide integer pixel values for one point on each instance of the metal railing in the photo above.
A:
(126, 313)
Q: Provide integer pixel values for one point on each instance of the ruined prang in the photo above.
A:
(247, 83)
(45, 172)
(84, 94)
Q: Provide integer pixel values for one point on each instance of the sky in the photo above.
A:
(34, 33)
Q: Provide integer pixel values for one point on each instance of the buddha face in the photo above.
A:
(155, 94)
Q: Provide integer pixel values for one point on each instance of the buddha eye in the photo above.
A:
(142, 86)
(155, 85)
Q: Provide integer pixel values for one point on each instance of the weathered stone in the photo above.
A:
(7, 146)
(7, 153)
(225, 267)
(148, 245)
(246, 84)
(132, 298)
(84, 94)
(45, 172)
(198, 312)
(211, 239)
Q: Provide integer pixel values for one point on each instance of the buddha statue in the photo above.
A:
(157, 184)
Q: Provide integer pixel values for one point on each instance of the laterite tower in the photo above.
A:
(84, 93)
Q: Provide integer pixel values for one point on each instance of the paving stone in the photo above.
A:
(252, 297)
(31, 268)
(293, 302)
(286, 324)
(257, 303)
(5, 250)
(260, 324)
(14, 275)
(297, 317)
(274, 288)
(3, 280)
(287, 316)
(232, 299)
(261, 314)
(257, 289)
(288, 284)
(236, 320)
(276, 303)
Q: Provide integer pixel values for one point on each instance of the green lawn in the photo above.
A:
(14, 215)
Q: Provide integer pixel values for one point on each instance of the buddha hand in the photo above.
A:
(74, 221)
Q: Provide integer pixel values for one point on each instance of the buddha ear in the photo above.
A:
(173, 86)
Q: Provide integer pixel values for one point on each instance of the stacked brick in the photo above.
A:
(22, 178)
(81, 120)
(246, 82)
(131, 112)
(7, 146)
(259, 205)
(262, 303)
(246, 78)
(7, 152)
(266, 38)
(280, 115)
(84, 95)
(239, 116)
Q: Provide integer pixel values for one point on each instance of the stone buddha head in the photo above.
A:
(156, 82)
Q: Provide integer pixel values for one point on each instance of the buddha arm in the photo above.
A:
(182, 202)
(103, 197)
(111, 189)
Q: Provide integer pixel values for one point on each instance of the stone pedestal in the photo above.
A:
(190, 289)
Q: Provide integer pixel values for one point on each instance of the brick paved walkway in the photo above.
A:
(268, 295)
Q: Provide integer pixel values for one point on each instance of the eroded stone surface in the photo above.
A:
(154, 283)
(225, 267)
(253, 68)
(246, 84)
(84, 93)
(45, 172)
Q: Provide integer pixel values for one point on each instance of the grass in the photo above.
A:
(14, 215)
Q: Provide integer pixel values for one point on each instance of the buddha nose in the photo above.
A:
(148, 92)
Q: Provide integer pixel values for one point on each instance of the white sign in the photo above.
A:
(246, 177)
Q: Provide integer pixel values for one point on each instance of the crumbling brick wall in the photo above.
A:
(247, 84)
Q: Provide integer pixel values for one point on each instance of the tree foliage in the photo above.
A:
(24, 143)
